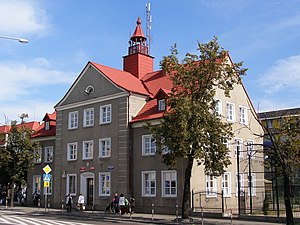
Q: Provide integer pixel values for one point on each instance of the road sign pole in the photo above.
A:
(46, 199)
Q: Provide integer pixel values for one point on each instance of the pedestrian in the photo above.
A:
(69, 202)
(81, 202)
(131, 204)
(115, 201)
(123, 203)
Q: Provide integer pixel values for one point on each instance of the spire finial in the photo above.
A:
(139, 21)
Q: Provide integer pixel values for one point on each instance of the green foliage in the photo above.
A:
(16, 157)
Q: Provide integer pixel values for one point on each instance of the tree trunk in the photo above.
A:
(186, 206)
(287, 201)
(12, 194)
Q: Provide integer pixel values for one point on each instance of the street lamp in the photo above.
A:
(21, 40)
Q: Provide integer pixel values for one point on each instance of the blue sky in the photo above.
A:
(65, 34)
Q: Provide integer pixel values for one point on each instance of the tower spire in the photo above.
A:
(137, 43)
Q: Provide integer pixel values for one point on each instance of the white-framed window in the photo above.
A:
(71, 184)
(104, 184)
(253, 184)
(105, 114)
(104, 147)
(48, 154)
(250, 149)
(73, 120)
(218, 107)
(148, 145)
(226, 184)
(238, 147)
(72, 151)
(169, 183)
(148, 183)
(211, 186)
(87, 149)
(88, 117)
(269, 124)
(230, 112)
(36, 184)
(226, 142)
(37, 155)
(164, 149)
(243, 115)
(47, 125)
(48, 190)
(241, 184)
(161, 104)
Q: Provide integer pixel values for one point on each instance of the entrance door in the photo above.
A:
(90, 191)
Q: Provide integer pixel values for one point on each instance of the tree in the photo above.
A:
(16, 157)
(190, 127)
(283, 153)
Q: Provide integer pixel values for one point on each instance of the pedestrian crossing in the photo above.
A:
(25, 220)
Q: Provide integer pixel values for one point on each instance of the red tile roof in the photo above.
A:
(157, 80)
(41, 132)
(122, 79)
(50, 116)
(138, 32)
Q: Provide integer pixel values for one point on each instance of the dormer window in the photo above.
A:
(47, 125)
(161, 104)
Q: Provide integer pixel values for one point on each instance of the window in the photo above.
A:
(148, 183)
(105, 114)
(72, 151)
(47, 125)
(250, 149)
(71, 184)
(253, 184)
(269, 124)
(48, 190)
(243, 115)
(48, 154)
(73, 120)
(104, 147)
(161, 104)
(169, 183)
(241, 184)
(37, 155)
(88, 117)
(164, 149)
(36, 184)
(230, 112)
(211, 186)
(87, 150)
(226, 184)
(226, 142)
(104, 184)
(238, 147)
(218, 107)
(148, 145)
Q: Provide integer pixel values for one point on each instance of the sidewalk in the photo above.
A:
(136, 217)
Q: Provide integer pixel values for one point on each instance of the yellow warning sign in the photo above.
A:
(46, 184)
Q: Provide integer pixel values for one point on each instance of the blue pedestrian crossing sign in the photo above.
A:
(46, 177)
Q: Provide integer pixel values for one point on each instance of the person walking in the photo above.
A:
(123, 202)
(81, 202)
(69, 202)
(115, 202)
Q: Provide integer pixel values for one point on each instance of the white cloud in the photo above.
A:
(19, 17)
(284, 75)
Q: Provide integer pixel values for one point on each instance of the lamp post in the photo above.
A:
(21, 40)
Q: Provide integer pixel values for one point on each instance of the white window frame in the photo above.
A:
(226, 142)
(243, 113)
(48, 154)
(37, 155)
(73, 120)
(71, 190)
(148, 145)
(171, 177)
(238, 145)
(242, 188)
(253, 185)
(47, 125)
(104, 147)
(250, 149)
(218, 107)
(36, 184)
(226, 184)
(87, 149)
(105, 114)
(104, 183)
(211, 186)
(162, 104)
(72, 151)
(230, 112)
(147, 189)
(88, 117)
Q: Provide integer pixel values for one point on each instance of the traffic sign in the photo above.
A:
(47, 177)
(46, 184)
(47, 169)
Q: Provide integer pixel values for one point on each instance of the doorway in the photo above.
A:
(90, 191)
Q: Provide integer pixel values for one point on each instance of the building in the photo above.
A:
(102, 148)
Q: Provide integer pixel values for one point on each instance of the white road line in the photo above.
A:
(15, 220)
(2, 220)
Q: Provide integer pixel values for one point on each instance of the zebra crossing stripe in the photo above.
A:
(2, 220)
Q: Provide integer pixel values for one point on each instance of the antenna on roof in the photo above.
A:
(148, 29)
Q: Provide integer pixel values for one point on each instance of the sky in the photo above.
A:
(65, 34)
